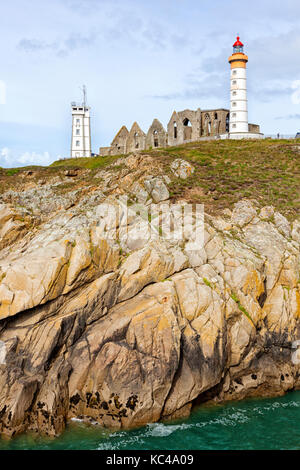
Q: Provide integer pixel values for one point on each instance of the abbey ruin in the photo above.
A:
(183, 127)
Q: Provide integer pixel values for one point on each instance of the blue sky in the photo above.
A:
(139, 59)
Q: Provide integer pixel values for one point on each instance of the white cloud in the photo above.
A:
(9, 159)
(128, 51)
(296, 94)
(5, 155)
(61, 48)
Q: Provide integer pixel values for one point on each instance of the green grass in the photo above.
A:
(206, 281)
(225, 172)
(90, 163)
(12, 171)
(241, 308)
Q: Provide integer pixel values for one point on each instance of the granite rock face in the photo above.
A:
(126, 330)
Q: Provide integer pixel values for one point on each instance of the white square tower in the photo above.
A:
(81, 129)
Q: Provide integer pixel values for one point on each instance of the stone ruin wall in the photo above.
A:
(183, 127)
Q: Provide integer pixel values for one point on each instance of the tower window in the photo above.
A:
(77, 143)
(175, 130)
(77, 121)
(234, 82)
(234, 93)
(233, 115)
(227, 122)
(234, 126)
(238, 49)
(155, 134)
(77, 131)
(234, 72)
(187, 132)
(234, 103)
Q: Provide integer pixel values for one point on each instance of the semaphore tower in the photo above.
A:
(81, 129)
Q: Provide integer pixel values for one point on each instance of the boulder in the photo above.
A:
(182, 169)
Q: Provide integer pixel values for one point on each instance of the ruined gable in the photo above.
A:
(175, 130)
(156, 136)
(136, 139)
(119, 142)
(184, 126)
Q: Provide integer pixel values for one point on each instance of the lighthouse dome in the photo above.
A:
(238, 46)
(238, 42)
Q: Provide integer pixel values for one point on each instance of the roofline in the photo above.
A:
(217, 109)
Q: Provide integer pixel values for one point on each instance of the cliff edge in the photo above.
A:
(99, 323)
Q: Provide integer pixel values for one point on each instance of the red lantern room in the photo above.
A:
(238, 46)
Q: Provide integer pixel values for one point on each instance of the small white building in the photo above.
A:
(81, 130)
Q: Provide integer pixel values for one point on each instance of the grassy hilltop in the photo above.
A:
(225, 172)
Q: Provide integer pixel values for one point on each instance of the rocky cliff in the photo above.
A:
(127, 330)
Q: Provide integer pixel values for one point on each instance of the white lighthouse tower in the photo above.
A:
(239, 125)
(81, 129)
(238, 90)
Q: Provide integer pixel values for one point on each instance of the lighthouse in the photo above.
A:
(81, 129)
(238, 90)
(239, 126)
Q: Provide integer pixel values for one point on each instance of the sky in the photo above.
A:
(140, 60)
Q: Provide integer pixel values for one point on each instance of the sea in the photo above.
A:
(252, 424)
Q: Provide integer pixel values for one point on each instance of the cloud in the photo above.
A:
(85, 6)
(9, 159)
(125, 27)
(272, 66)
(35, 45)
(289, 116)
(76, 41)
(216, 85)
(296, 92)
(209, 86)
(270, 90)
(61, 48)
(274, 55)
(5, 155)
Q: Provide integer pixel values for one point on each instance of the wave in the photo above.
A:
(163, 430)
(230, 415)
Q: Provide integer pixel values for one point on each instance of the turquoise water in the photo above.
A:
(251, 424)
